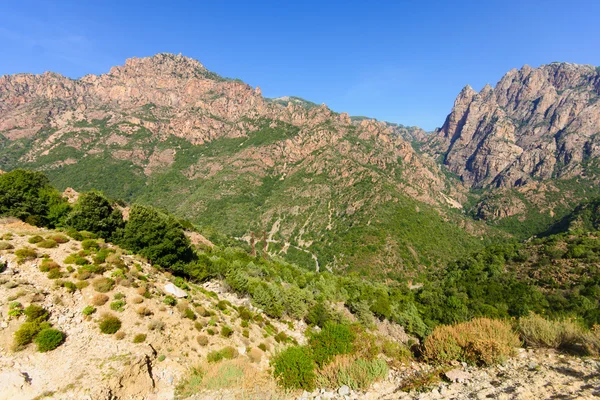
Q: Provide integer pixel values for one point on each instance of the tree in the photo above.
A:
(28, 195)
(157, 236)
(94, 213)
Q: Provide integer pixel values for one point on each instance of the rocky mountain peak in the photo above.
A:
(536, 123)
(162, 64)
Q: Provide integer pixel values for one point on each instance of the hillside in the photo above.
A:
(328, 190)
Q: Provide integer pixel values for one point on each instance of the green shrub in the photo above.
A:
(90, 244)
(70, 286)
(47, 244)
(333, 339)
(54, 274)
(117, 305)
(227, 353)
(188, 313)
(481, 341)
(244, 313)
(49, 339)
(109, 324)
(27, 332)
(294, 369)
(35, 239)
(139, 338)
(539, 332)
(60, 239)
(36, 313)
(170, 300)
(263, 347)
(103, 284)
(89, 310)
(82, 285)
(15, 309)
(25, 254)
(226, 331)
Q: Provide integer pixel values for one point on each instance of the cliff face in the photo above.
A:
(537, 123)
(166, 130)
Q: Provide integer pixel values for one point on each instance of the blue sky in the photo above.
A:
(400, 61)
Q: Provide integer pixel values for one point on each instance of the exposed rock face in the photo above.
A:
(537, 123)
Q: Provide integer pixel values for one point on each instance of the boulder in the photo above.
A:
(175, 291)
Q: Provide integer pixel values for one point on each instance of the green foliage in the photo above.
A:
(27, 332)
(35, 239)
(109, 324)
(29, 196)
(49, 339)
(293, 369)
(170, 300)
(157, 236)
(103, 284)
(227, 353)
(94, 213)
(89, 310)
(356, 373)
(226, 331)
(15, 309)
(47, 244)
(90, 244)
(333, 339)
(36, 313)
(117, 305)
(25, 253)
(139, 338)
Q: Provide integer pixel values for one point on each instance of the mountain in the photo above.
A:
(325, 189)
(534, 140)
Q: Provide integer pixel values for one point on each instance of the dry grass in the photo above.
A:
(99, 299)
(566, 335)
(481, 341)
(356, 373)
(240, 376)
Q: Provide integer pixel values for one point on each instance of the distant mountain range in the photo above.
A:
(328, 190)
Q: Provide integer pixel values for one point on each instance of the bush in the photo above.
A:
(333, 339)
(263, 347)
(227, 353)
(25, 254)
(89, 310)
(143, 311)
(539, 332)
(47, 244)
(139, 338)
(188, 313)
(15, 309)
(27, 332)
(94, 213)
(117, 305)
(156, 325)
(255, 355)
(481, 341)
(120, 335)
(170, 300)
(36, 313)
(110, 324)
(356, 373)
(293, 369)
(48, 265)
(54, 274)
(202, 340)
(90, 244)
(6, 246)
(35, 239)
(226, 331)
(244, 313)
(99, 299)
(49, 339)
(103, 284)
(60, 239)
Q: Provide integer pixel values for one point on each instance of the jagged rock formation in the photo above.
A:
(537, 123)
(166, 130)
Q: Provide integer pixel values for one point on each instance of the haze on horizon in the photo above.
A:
(392, 61)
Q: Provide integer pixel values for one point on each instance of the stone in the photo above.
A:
(457, 375)
(344, 390)
(170, 288)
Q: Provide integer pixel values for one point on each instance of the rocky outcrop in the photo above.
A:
(537, 123)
